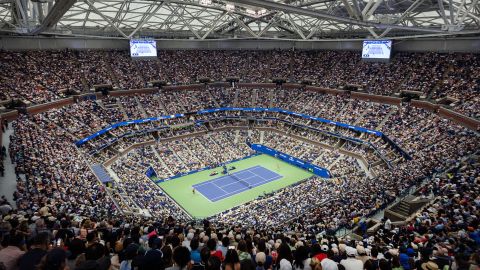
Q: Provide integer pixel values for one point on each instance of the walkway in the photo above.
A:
(8, 183)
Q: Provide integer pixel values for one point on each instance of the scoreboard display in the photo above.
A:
(377, 49)
(143, 48)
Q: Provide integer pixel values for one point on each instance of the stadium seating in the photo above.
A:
(59, 196)
(435, 75)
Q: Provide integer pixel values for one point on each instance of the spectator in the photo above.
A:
(231, 262)
(301, 260)
(284, 259)
(351, 263)
(153, 257)
(181, 259)
(54, 260)
(195, 252)
(37, 250)
(14, 250)
(131, 252)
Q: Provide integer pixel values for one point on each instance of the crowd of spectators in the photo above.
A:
(56, 185)
(443, 235)
(422, 135)
(48, 75)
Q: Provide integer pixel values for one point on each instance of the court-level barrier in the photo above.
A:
(322, 172)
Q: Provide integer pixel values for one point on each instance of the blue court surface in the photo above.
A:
(228, 185)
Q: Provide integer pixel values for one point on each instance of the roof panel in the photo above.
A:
(201, 17)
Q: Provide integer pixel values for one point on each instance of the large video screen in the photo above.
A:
(376, 49)
(143, 48)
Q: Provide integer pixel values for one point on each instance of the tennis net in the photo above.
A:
(243, 182)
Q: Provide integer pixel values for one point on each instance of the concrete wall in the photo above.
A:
(50, 105)
(414, 45)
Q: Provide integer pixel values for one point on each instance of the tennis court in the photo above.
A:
(200, 205)
(228, 185)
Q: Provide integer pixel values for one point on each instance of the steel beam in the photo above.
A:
(146, 19)
(94, 9)
(243, 25)
(215, 22)
(317, 14)
(55, 14)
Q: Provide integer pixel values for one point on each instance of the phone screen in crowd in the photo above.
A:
(231, 247)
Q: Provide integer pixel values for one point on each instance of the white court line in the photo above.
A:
(243, 179)
(240, 190)
(224, 176)
(278, 175)
(202, 195)
(228, 194)
(220, 187)
(210, 181)
(213, 183)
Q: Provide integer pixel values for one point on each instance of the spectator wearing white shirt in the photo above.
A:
(351, 263)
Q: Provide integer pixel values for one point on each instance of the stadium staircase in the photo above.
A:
(86, 87)
(317, 160)
(385, 119)
(115, 80)
(180, 160)
(122, 109)
(212, 97)
(271, 97)
(122, 197)
(439, 83)
(407, 203)
(8, 182)
(308, 105)
(342, 111)
(204, 149)
(141, 108)
(302, 155)
(113, 175)
(162, 106)
(340, 144)
(402, 210)
(235, 99)
(335, 161)
(107, 190)
(219, 145)
(197, 102)
(262, 135)
(160, 160)
(101, 173)
(365, 169)
(237, 133)
(69, 134)
(360, 117)
(179, 103)
(191, 152)
(406, 78)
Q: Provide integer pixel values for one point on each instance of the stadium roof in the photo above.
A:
(253, 19)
